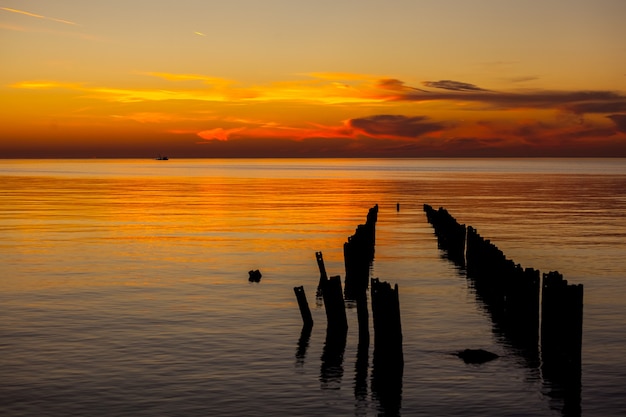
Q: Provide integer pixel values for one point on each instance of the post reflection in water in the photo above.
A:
(361, 371)
(331, 371)
(303, 345)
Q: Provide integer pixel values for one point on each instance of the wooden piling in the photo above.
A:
(358, 254)
(561, 340)
(334, 305)
(511, 296)
(387, 323)
(323, 276)
(561, 318)
(450, 233)
(336, 333)
(305, 312)
(388, 362)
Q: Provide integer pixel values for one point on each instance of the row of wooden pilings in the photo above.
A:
(531, 310)
(388, 359)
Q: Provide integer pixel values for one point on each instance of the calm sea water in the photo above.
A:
(124, 290)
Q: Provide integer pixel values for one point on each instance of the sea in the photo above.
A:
(124, 285)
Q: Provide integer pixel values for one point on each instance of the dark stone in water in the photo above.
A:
(476, 356)
(255, 276)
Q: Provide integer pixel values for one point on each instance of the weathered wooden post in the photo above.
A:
(323, 275)
(336, 333)
(387, 323)
(334, 305)
(561, 319)
(561, 340)
(388, 363)
(358, 254)
(305, 312)
(510, 295)
(450, 233)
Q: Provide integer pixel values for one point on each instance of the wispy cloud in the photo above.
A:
(45, 85)
(38, 16)
(397, 126)
(522, 78)
(452, 85)
(619, 120)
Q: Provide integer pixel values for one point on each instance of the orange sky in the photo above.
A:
(295, 78)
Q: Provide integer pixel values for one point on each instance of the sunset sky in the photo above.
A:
(324, 78)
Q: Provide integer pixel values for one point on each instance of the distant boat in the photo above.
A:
(162, 158)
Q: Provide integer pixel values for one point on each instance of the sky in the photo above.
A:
(302, 78)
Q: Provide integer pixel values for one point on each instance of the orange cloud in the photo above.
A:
(323, 114)
(219, 133)
(46, 85)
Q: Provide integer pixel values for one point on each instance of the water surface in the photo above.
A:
(124, 291)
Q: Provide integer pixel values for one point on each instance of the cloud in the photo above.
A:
(620, 121)
(396, 85)
(523, 79)
(160, 117)
(38, 16)
(44, 85)
(331, 89)
(219, 133)
(452, 85)
(395, 126)
(579, 102)
(605, 103)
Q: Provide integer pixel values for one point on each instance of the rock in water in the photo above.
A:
(476, 355)
(254, 276)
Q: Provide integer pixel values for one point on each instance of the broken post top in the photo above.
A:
(320, 264)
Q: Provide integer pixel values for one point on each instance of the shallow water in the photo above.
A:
(124, 291)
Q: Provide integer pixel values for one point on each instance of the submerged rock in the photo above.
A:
(476, 355)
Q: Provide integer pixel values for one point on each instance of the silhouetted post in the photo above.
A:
(510, 295)
(522, 308)
(358, 254)
(336, 333)
(561, 318)
(304, 306)
(388, 364)
(334, 305)
(323, 275)
(450, 234)
(488, 268)
(363, 319)
(387, 323)
(561, 340)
